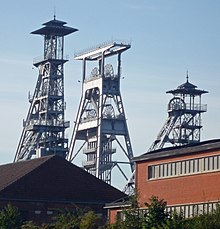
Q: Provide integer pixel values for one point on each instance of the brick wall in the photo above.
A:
(43, 212)
(186, 189)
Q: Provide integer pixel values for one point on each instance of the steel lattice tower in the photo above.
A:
(44, 128)
(101, 121)
(183, 125)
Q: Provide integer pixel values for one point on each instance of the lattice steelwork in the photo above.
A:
(101, 123)
(44, 128)
(183, 125)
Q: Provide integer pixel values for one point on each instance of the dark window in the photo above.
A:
(119, 216)
(151, 172)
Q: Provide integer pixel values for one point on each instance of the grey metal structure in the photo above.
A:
(101, 123)
(44, 128)
(183, 125)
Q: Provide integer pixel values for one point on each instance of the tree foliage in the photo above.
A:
(69, 220)
(133, 217)
(29, 225)
(78, 219)
(154, 217)
(207, 221)
(89, 221)
(10, 218)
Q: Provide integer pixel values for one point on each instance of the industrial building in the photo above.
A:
(186, 177)
(42, 188)
(185, 173)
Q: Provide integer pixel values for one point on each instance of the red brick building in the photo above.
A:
(187, 177)
(43, 187)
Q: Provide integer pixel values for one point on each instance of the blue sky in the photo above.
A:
(167, 38)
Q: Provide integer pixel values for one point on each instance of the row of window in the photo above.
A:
(38, 212)
(194, 209)
(185, 167)
(189, 210)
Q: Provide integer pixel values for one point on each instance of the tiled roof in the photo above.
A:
(10, 173)
(52, 178)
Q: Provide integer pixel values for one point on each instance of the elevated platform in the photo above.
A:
(108, 48)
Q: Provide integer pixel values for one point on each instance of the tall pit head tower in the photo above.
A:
(101, 123)
(183, 125)
(44, 128)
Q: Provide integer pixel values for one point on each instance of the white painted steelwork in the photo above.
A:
(101, 121)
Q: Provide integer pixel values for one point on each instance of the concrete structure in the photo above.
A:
(187, 177)
(43, 187)
(101, 123)
(44, 128)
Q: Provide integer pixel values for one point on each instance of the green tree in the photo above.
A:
(68, 220)
(205, 221)
(174, 221)
(132, 215)
(155, 215)
(10, 218)
(29, 225)
(89, 221)
(78, 219)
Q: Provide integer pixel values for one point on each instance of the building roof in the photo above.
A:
(118, 204)
(52, 178)
(55, 27)
(180, 150)
(187, 88)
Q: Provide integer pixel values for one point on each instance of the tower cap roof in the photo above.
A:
(55, 27)
(187, 88)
